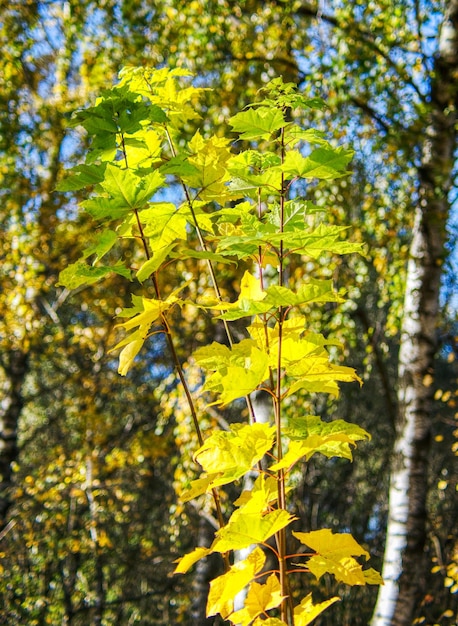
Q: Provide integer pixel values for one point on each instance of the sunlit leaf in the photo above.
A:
(209, 175)
(257, 123)
(199, 486)
(275, 296)
(80, 273)
(323, 163)
(239, 370)
(306, 611)
(270, 621)
(259, 599)
(82, 176)
(332, 545)
(154, 263)
(346, 569)
(310, 435)
(145, 313)
(187, 561)
(104, 243)
(244, 529)
(257, 499)
(163, 224)
(125, 191)
(232, 453)
(224, 588)
(335, 555)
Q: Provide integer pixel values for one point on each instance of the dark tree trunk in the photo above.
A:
(15, 367)
(205, 571)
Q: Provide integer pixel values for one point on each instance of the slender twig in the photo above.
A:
(286, 607)
(210, 267)
(175, 358)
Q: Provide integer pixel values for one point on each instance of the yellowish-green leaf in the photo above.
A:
(80, 273)
(154, 263)
(258, 499)
(306, 611)
(143, 148)
(163, 224)
(335, 554)
(164, 91)
(127, 189)
(209, 158)
(81, 176)
(300, 428)
(244, 529)
(311, 434)
(210, 356)
(230, 454)
(188, 560)
(304, 357)
(270, 621)
(251, 293)
(239, 370)
(316, 374)
(254, 302)
(314, 291)
(259, 599)
(103, 244)
(198, 487)
(297, 345)
(224, 588)
(130, 351)
(332, 545)
(323, 163)
(145, 313)
(372, 577)
(257, 123)
(250, 288)
(345, 570)
(150, 312)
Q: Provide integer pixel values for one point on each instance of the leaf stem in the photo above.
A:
(177, 363)
(211, 269)
(286, 606)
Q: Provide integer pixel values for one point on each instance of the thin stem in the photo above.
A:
(175, 358)
(261, 278)
(286, 606)
(211, 269)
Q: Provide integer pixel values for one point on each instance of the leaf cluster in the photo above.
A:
(240, 207)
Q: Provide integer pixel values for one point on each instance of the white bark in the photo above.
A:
(406, 531)
(414, 363)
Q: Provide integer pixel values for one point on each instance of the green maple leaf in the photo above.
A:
(80, 273)
(125, 191)
(82, 176)
(322, 163)
(257, 123)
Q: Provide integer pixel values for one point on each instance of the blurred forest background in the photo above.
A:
(89, 461)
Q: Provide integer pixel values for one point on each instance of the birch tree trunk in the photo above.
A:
(404, 562)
